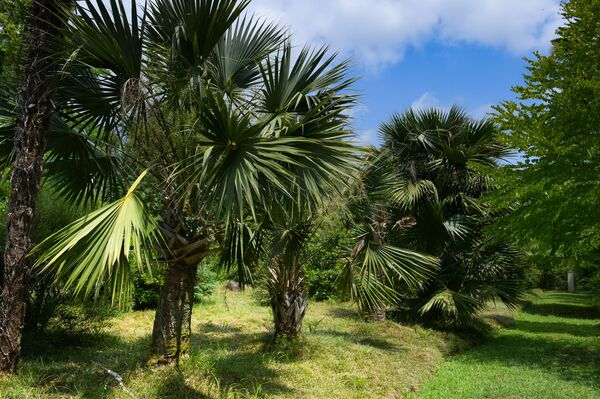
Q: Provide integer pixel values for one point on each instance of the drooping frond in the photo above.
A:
(98, 249)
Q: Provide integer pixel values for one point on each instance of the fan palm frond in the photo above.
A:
(96, 250)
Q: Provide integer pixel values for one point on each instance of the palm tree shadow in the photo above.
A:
(175, 387)
(63, 363)
(245, 362)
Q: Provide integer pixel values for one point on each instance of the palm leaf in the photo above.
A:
(94, 251)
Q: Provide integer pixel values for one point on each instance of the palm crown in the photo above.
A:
(439, 164)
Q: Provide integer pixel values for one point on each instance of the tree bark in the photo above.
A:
(173, 321)
(289, 300)
(42, 33)
(375, 315)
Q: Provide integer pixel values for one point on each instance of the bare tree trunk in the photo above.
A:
(36, 108)
(173, 320)
(289, 300)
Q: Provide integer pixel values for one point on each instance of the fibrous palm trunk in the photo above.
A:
(173, 320)
(376, 314)
(289, 300)
(42, 33)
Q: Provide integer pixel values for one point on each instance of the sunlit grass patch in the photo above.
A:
(233, 356)
(551, 351)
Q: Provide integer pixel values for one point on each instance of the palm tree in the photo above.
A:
(43, 31)
(379, 270)
(440, 164)
(213, 114)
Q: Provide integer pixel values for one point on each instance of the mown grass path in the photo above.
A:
(551, 351)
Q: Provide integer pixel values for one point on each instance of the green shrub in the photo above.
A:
(325, 253)
(147, 290)
(207, 281)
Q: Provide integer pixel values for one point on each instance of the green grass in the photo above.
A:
(550, 351)
(231, 357)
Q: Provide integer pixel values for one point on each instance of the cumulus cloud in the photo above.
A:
(430, 100)
(377, 32)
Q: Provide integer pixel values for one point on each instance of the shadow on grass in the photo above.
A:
(246, 362)
(578, 330)
(569, 349)
(64, 364)
(344, 313)
(175, 387)
(572, 361)
(563, 310)
(359, 339)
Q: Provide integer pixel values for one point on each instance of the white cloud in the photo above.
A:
(366, 137)
(482, 111)
(429, 100)
(426, 101)
(377, 32)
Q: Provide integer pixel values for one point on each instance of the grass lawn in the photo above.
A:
(552, 350)
(231, 357)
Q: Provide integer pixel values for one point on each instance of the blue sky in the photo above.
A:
(472, 76)
(423, 53)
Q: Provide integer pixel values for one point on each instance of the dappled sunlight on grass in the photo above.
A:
(233, 356)
(544, 354)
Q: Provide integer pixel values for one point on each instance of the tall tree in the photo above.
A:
(553, 182)
(35, 110)
(12, 22)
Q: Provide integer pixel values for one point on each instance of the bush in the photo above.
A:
(325, 253)
(147, 289)
(75, 318)
(207, 281)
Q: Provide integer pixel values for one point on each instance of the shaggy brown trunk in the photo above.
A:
(376, 315)
(289, 301)
(173, 320)
(36, 110)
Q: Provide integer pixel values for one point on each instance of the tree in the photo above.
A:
(438, 164)
(218, 112)
(43, 31)
(553, 183)
(379, 271)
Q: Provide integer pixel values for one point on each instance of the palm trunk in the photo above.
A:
(173, 320)
(375, 315)
(36, 110)
(289, 300)
(377, 312)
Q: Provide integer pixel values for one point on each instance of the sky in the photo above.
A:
(422, 53)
